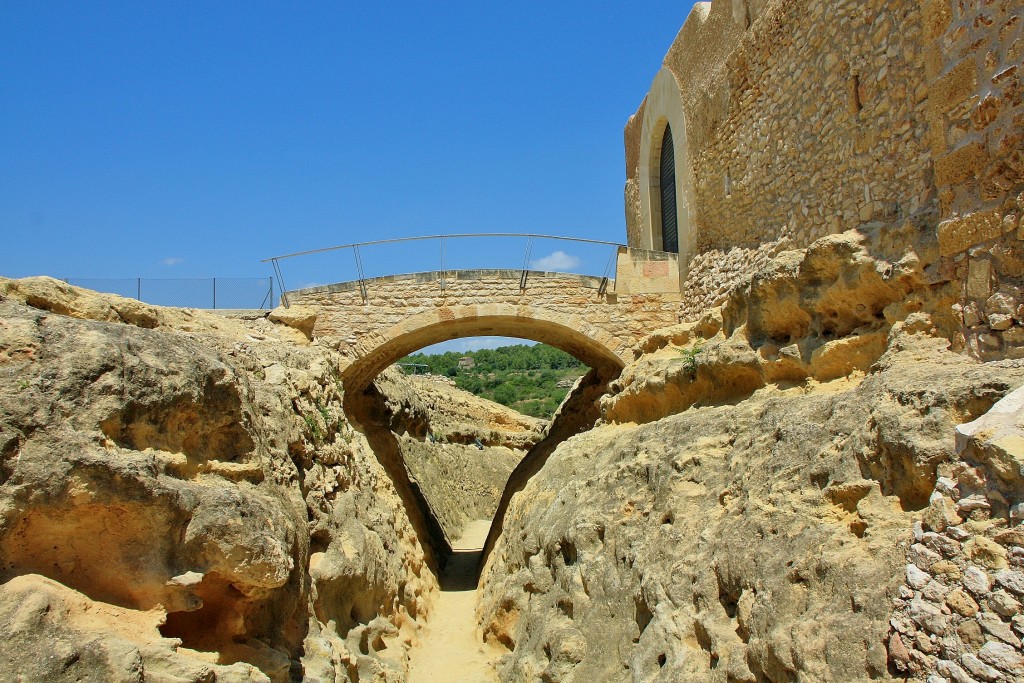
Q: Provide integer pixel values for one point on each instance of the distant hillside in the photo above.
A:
(525, 378)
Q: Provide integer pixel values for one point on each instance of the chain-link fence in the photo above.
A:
(216, 292)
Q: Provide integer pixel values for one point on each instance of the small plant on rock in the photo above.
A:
(315, 430)
(689, 358)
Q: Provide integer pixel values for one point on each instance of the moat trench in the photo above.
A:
(451, 646)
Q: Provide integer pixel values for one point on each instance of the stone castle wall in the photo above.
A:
(973, 63)
(792, 133)
(809, 118)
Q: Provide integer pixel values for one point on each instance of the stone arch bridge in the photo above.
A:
(597, 319)
(377, 321)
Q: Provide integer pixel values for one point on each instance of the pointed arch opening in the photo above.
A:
(665, 191)
(669, 214)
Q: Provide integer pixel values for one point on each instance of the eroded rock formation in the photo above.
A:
(182, 498)
(458, 448)
(746, 506)
(777, 491)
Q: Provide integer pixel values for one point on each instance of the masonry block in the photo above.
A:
(937, 14)
(961, 164)
(955, 87)
(962, 232)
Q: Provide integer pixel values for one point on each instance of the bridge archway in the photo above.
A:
(375, 322)
(375, 351)
(574, 335)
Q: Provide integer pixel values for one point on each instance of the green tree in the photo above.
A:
(521, 376)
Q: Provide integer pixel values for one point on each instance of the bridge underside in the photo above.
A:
(417, 334)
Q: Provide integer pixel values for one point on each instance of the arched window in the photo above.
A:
(665, 199)
(669, 215)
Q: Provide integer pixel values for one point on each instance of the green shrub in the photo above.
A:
(522, 377)
(689, 358)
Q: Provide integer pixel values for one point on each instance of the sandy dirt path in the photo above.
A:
(450, 650)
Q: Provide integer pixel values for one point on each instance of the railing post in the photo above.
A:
(442, 263)
(604, 278)
(138, 289)
(215, 294)
(359, 271)
(280, 282)
(526, 263)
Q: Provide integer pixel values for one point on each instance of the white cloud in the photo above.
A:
(558, 262)
(173, 261)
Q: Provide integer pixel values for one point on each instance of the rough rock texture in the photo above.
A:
(578, 413)
(959, 614)
(182, 499)
(745, 509)
(755, 542)
(459, 449)
(815, 314)
(461, 483)
(428, 406)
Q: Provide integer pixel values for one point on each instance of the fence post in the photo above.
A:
(214, 293)
(138, 289)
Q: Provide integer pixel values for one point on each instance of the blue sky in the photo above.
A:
(187, 139)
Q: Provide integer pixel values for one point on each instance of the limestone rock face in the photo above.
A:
(461, 483)
(748, 542)
(301, 318)
(745, 508)
(809, 315)
(182, 498)
(425, 406)
(459, 449)
(53, 633)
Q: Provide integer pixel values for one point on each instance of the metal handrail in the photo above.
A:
(275, 260)
(435, 237)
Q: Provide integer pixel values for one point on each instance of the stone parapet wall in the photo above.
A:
(643, 271)
(344, 316)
